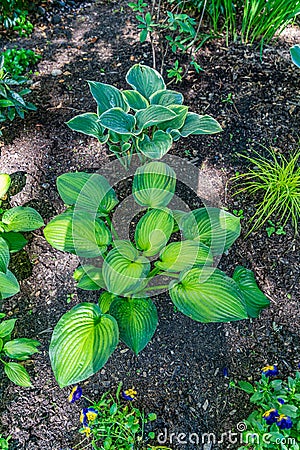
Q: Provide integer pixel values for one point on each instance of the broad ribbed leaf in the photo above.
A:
(6, 327)
(124, 269)
(145, 80)
(88, 123)
(156, 147)
(154, 184)
(105, 300)
(295, 54)
(153, 115)
(153, 231)
(17, 374)
(81, 343)
(118, 121)
(214, 227)
(89, 278)
(196, 124)
(79, 233)
(137, 321)
(179, 256)
(166, 97)
(9, 285)
(21, 348)
(4, 255)
(15, 241)
(178, 121)
(255, 300)
(4, 183)
(207, 295)
(178, 217)
(135, 100)
(88, 191)
(107, 97)
(22, 218)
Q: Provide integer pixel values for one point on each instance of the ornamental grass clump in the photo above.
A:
(275, 183)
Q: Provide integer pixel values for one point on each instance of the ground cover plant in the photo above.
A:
(18, 60)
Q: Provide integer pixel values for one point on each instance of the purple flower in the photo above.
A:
(271, 416)
(281, 401)
(284, 422)
(87, 415)
(269, 371)
(225, 372)
(76, 393)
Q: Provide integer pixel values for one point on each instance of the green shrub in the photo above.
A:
(13, 13)
(17, 61)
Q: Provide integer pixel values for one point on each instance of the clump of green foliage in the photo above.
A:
(14, 14)
(275, 182)
(17, 60)
(4, 442)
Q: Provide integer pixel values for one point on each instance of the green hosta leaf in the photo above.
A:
(4, 183)
(107, 97)
(145, 80)
(105, 300)
(153, 231)
(4, 255)
(89, 278)
(21, 348)
(254, 298)
(213, 227)
(295, 54)
(135, 100)
(124, 269)
(22, 218)
(179, 256)
(207, 295)
(79, 233)
(178, 217)
(137, 321)
(177, 122)
(196, 124)
(118, 121)
(88, 123)
(154, 184)
(81, 343)
(166, 97)
(156, 147)
(15, 241)
(153, 115)
(9, 285)
(17, 374)
(88, 191)
(6, 327)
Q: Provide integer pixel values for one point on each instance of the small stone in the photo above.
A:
(45, 185)
(205, 405)
(41, 11)
(56, 72)
(56, 19)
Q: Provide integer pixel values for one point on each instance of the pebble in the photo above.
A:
(56, 72)
(41, 11)
(45, 185)
(56, 19)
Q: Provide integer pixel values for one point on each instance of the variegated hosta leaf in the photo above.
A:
(153, 115)
(88, 123)
(153, 231)
(145, 80)
(15, 241)
(166, 97)
(156, 147)
(4, 183)
(178, 121)
(22, 218)
(207, 295)
(137, 321)
(179, 256)
(107, 97)
(4, 255)
(79, 233)
(196, 124)
(135, 100)
(105, 300)
(125, 270)
(118, 121)
(255, 300)
(178, 217)
(295, 54)
(9, 285)
(214, 227)
(88, 191)
(154, 184)
(81, 343)
(89, 278)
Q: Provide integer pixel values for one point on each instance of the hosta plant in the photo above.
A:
(13, 221)
(145, 119)
(130, 271)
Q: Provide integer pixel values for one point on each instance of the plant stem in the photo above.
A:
(112, 227)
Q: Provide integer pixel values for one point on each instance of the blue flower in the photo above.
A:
(281, 401)
(225, 372)
(88, 415)
(284, 422)
(269, 371)
(271, 416)
(129, 394)
(76, 393)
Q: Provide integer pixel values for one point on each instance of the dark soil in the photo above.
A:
(180, 374)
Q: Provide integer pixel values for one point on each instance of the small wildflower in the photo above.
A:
(86, 431)
(129, 394)
(284, 422)
(269, 371)
(281, 401)
(271, 416)
(88, 415)
(76, 393)
(225, 372)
